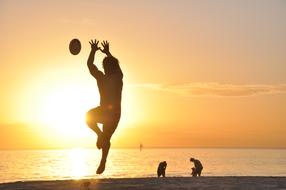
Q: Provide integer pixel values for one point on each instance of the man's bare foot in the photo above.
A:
(99, 142)
(101, 167)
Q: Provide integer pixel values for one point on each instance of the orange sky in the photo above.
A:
(196, 74)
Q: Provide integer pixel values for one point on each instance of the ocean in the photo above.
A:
(26, 165)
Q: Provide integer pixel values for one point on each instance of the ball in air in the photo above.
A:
(75, 46)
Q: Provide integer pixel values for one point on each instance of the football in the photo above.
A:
(75, 46)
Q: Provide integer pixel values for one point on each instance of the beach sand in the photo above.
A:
(171, 183)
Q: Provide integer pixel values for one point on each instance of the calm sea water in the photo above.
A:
(82, 163)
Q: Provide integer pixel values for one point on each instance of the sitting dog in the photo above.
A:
(194, 173)
(162, 169)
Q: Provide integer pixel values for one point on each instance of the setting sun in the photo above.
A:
(65, 109)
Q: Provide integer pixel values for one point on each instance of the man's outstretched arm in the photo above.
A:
(92, 68)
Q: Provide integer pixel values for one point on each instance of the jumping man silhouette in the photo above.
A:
(110, 86)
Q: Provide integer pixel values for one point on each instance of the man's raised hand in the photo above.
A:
(94, 45)
(105, 45)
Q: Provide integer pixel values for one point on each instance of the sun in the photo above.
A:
(64, 110)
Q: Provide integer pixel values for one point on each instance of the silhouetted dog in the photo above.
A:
(194, 174)
(162, 169)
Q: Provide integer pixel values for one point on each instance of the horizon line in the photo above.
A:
(132, 147)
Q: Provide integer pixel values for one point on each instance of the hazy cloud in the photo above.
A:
(216, 89)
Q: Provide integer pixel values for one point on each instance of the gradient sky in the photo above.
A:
(196, 73)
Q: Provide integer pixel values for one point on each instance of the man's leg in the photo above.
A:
(92, 118)
(199, 172)
(105, 151)
(96, 129)
(99, 133)
(108, 130)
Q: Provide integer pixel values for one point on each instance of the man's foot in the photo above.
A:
(101, 167)
(99, 142)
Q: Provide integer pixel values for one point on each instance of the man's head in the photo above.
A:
(164, 163)
(192, 159)
(110, 65)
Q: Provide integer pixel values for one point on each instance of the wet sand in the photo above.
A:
(170, 183)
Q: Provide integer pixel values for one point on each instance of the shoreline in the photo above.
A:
(204, 182)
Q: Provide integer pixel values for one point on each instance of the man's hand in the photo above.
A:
(105, 45)
(94, 45)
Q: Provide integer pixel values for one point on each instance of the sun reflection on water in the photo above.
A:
(78, 163)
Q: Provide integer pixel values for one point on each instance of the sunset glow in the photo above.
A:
(196, 74)
(65, 110)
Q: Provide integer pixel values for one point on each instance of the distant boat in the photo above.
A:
(141, 147)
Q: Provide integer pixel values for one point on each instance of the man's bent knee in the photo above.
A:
(90, 117)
